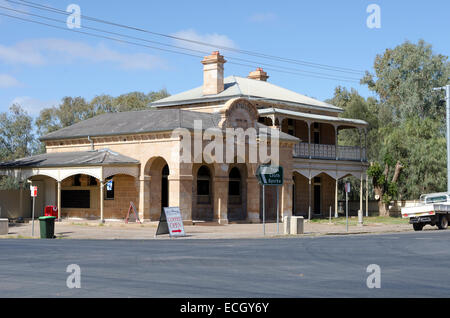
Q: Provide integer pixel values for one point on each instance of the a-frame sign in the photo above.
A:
(171, 223)
(132, 208)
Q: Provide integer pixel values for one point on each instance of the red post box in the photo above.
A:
(51, 211)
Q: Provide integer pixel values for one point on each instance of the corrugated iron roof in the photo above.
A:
(244, 87)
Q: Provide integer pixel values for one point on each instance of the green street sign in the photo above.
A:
(270, 175)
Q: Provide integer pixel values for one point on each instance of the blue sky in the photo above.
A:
(40, 65)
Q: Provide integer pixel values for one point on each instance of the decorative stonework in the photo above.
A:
(239, 113)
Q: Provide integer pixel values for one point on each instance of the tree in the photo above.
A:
(404, 78)
(357, 107)
(411, 120)
(16, 134)
(16, 139)
(75, 109)
(386, 190)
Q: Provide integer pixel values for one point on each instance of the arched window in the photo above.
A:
(234, 184)
(203, 185)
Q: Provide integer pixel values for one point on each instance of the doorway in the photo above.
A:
(165, 187)
(317, 195)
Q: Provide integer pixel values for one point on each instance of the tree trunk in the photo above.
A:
(382, 207)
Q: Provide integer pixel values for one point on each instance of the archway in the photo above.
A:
(300, 195)
(165, 187)
(158, 169)
(80, 197)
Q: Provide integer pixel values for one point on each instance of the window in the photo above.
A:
(109, 193)
(77, 180)
(291, 127)
(203, 179)
(203, 185)
(316, 133)
(234, 184)
(92, 181)
(76, 199)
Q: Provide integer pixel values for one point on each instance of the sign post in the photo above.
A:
(270, 176)
(347, 191)
(33, 190)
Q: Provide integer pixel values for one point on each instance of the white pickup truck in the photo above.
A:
(433, 209)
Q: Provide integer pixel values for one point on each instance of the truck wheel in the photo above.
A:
(443, 222)
(418, 226)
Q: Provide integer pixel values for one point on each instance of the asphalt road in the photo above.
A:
(412, 265)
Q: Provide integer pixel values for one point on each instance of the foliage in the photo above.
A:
(75, 109)
(404, 80)
(16, 140)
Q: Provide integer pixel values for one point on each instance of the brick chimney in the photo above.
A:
(213, 74)
(259, 75)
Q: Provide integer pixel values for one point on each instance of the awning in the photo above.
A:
(357, 123)
(100, 164)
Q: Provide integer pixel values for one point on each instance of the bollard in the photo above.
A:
(4, 227)
(360, 218)
(287, 225)
(297, 225)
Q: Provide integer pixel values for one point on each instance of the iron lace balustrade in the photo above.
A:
(328, 152)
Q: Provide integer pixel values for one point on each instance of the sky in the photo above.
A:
(40, 65)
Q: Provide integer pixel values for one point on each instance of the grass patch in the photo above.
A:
(80, 224)
(367, 220)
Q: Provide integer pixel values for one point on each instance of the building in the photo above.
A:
(95, 168)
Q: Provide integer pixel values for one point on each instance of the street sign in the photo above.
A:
(171, 223)
(270, 175)
(33, 190)
(348, 188)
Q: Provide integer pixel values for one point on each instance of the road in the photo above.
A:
(412, 265)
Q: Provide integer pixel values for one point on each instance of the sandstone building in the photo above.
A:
(95, 168)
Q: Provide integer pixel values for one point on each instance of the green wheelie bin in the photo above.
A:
(47, 227)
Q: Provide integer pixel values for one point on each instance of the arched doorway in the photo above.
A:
(159, 171)
(165, 187)
(300, 195)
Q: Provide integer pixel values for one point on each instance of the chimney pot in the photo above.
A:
(259, 75)
(213, 79)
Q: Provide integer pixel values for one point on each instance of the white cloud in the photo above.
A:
(263, 17)
(7, 81)
(213, 39)
(33, 106)
(38, 52)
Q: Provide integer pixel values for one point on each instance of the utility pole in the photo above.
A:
(447, 98)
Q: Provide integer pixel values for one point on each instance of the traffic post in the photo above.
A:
(268, 175)
(347, 191)
(33, 190)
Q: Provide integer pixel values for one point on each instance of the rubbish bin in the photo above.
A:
(47, 227)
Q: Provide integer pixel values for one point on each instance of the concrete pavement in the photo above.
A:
(412, 265)
(81, 229)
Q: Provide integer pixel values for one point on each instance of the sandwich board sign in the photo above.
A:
(132, 212)
(171, 223)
